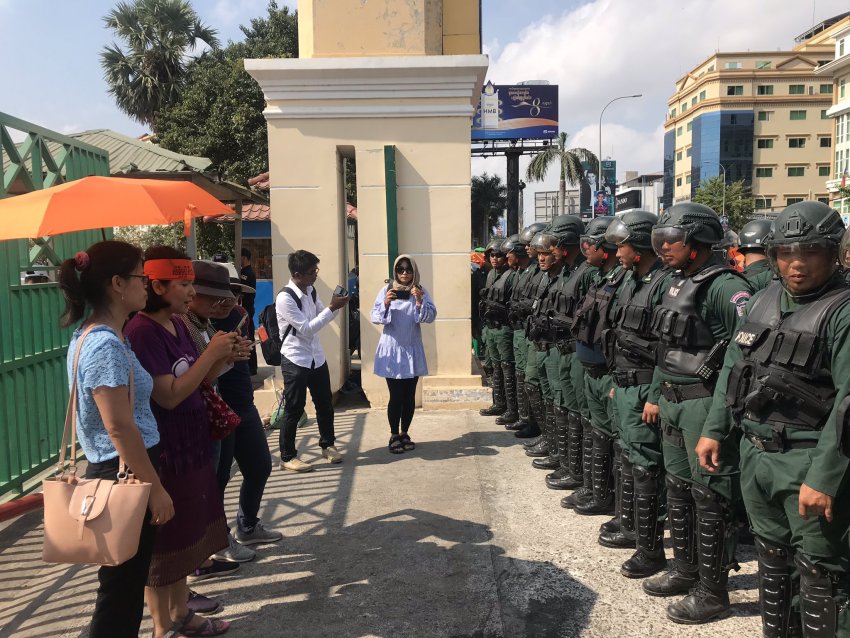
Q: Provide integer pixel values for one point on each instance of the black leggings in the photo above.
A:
(402, 403)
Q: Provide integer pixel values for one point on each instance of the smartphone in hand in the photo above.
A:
(402, 294)
(339, 291)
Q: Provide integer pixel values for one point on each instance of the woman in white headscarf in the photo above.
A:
(401, 307)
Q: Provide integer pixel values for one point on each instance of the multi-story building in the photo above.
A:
(639, 192)
(838, 70)
(758, 116)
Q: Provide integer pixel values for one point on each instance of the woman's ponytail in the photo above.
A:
(75, 301)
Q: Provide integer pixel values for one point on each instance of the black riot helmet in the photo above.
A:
(568, 229)
(495, 246)
(530, 231)
(687, 222)
(544, 241)
(633, 228)
(594, 234)
(754, 234)
(513, 245)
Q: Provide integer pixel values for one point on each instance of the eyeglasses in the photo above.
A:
(315, 271)
(401, 270)
(145, 279)
(223, 301)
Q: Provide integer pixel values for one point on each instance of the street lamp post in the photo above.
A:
(722, 168)
(599, 168)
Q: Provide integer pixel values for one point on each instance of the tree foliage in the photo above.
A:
(569, 163)
(738, 202)
(148, 72)
(211, 238)
(489, 199)
(220, 113)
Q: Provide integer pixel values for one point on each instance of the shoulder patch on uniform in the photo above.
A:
(740, 300)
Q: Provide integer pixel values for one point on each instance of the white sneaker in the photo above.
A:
(296, 465)
(331, 454)
(258, 535)
(235, 553)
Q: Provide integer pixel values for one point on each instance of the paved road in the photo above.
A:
(459, 538)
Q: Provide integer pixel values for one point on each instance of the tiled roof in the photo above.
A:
(260, 182)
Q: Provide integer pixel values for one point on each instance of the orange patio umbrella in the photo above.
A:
(104, 202)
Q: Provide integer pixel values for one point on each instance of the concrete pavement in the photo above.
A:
(459, 538)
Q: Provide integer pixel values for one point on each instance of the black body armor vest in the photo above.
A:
(634, 345)
(785, 377)
(495, 304)
(522, 295)
(593, 315)
(539, 326)
(684, 339)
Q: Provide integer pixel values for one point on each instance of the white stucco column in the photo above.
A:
(319, 109)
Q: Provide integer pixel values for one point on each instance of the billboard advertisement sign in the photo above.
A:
(508, 112)
(628, 200)
(599, 200)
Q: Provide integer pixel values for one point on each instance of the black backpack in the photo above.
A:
(270, 339)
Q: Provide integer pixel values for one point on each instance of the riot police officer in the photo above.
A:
(499, 335)
(786, 369)
(631, 352)
(757, 268)
(694, 321)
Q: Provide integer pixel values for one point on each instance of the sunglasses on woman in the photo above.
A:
(403, 269)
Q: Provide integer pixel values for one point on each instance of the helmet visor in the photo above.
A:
(617, 232)
(800, 250)
(667, 235)
(544, 242)
(587, 242)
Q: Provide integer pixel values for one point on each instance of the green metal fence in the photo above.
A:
(33, 377)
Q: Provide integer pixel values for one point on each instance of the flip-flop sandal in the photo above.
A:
(210, 627)
(408, 444)
(396, 445)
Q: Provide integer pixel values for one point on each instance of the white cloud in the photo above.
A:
(606, 48)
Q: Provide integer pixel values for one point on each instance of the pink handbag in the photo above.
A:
(91, 521)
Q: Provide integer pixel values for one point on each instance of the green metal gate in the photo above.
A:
(33, 377)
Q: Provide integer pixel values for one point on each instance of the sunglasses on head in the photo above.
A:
(404, 269)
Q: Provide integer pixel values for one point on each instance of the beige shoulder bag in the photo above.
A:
(91, 521)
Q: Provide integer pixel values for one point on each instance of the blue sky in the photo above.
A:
(593, 49)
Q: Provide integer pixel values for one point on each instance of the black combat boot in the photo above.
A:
(487, 379)
(550, 461)
(776, 589)
(602, 501)
(709, 600)
(560, 479)
(681, 513)
(583, 494)
(625, 536)
(649, 558)
(613, 525)
(535, 411)
(522, 405)
(818, 608)
(498, 385)
(511, 415)
(540, 449)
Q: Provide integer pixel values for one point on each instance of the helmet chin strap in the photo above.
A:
(814, 294)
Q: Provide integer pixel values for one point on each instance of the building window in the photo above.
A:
(841, 89)
(678, 131)
(841, 47)
(796, 171)
(688, 152)
(687, 179)
(764, 143)
(733, 65)
(710, 69)
(672, 113)
(826, 142)
(793, 200)
(798, 115)
(689, 126)
(763, 64)
(679, 156)
(694, 101)
(823, 171)
(764, 202)
(826, 88)
(796, 142)
(684, 107)
(763, 171)
(701, 96)
(824, 200)
(735, 90)
(765, 89)
(678, 181)
(764, 116)
(823, 114)
(797, 89)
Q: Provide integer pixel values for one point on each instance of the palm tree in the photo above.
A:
(570, 161)
(489, 198)
(149, 73)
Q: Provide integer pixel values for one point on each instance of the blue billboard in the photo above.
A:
(508, 112)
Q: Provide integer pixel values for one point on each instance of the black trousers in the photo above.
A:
(296, 382)
(402, 403)
(121, 594)
(247, 444)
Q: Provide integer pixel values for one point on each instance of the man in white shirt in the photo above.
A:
(302, 359)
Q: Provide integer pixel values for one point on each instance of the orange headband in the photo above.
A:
(170, 269)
